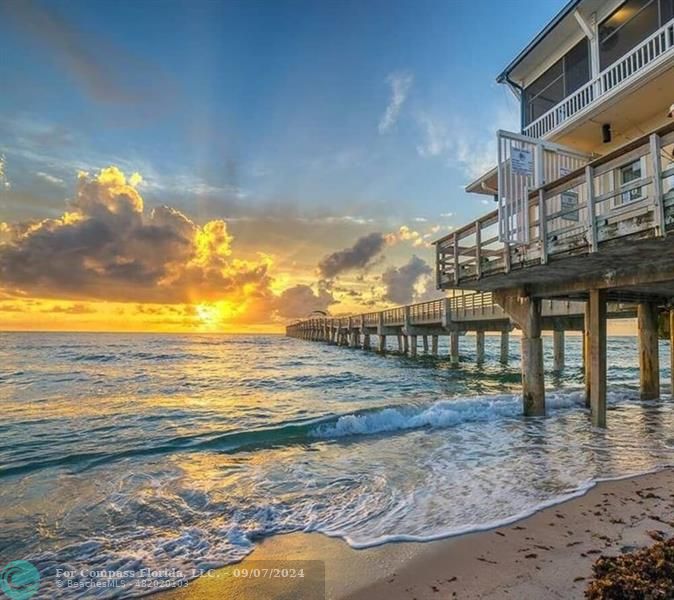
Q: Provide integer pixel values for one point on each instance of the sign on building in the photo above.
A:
(569, 201)
(522, 162)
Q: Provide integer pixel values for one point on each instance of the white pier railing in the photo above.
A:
(647, 56)
(625, 194)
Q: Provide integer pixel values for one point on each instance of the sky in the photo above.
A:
(231, 166)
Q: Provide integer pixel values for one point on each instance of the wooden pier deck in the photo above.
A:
(475, 312)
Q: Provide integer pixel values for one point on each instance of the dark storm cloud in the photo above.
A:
(357, 256)
(399, 282)
(301, 300)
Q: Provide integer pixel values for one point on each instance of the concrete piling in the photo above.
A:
(558, 349)
(505, 347)
(586, 354)
(598, 357)
(412, 346)
(454, 347)
(649, 359)
(671, 347)
(479, 346)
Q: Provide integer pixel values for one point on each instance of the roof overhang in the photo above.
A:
(557, 33)
(485, 184)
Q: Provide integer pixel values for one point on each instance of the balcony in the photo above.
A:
(616, 209)
(647, 59)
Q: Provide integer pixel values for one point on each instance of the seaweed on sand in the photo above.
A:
(646, 574)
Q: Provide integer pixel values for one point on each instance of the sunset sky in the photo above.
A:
(233, 165)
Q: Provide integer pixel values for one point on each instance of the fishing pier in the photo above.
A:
(583, 229)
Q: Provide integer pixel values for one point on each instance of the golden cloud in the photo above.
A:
(107, 247)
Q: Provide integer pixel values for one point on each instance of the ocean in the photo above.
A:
(164, 452)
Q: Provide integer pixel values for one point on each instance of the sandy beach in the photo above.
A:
(549, 554)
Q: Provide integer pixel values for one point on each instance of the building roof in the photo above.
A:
(560, 16)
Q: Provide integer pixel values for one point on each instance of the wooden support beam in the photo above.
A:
(406, 344)
(434, 345)
(401, 347)
(586, 354)
(649, 360)
(598, 357)
(382, 343)
(454, 347)
(558, 349)
(424, 341)
(366, 341)
(505, 347)
(671, 348)
(479, 346)
(413, 345)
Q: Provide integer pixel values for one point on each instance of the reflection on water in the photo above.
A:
(124, 451)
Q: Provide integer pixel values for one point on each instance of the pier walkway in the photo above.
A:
(474, 312)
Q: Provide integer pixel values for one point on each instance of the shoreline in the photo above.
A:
(549, 553)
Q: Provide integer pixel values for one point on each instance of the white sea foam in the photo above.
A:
(444, 413)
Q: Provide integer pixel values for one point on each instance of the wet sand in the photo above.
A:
(547, 555)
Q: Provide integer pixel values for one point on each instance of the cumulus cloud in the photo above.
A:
(400, 83)
(301, 300)
(406, 234)
(400, 282)
(107, 247)
(358, 256)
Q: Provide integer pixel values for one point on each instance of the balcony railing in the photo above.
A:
(572, 215)
(646, 56)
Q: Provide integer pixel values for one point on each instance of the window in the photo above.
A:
(563, 78)
(627, 175)
(630, 24)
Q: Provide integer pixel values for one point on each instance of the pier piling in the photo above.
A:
(479, 346)
(586, 354)
(558, 349)
(505, 347)
(454, 347)
(598, 357)
(671, 348)
(649, 360)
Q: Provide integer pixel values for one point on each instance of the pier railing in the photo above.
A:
(470, 309)
(645, 57)
(629, 192)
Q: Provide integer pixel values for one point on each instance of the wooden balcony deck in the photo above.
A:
(582, 226)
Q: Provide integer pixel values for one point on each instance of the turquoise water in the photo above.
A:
(170, 451)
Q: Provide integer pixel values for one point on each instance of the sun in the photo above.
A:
(214, 315)
(209, 316)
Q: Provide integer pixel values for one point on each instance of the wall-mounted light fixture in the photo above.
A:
(606, 133)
